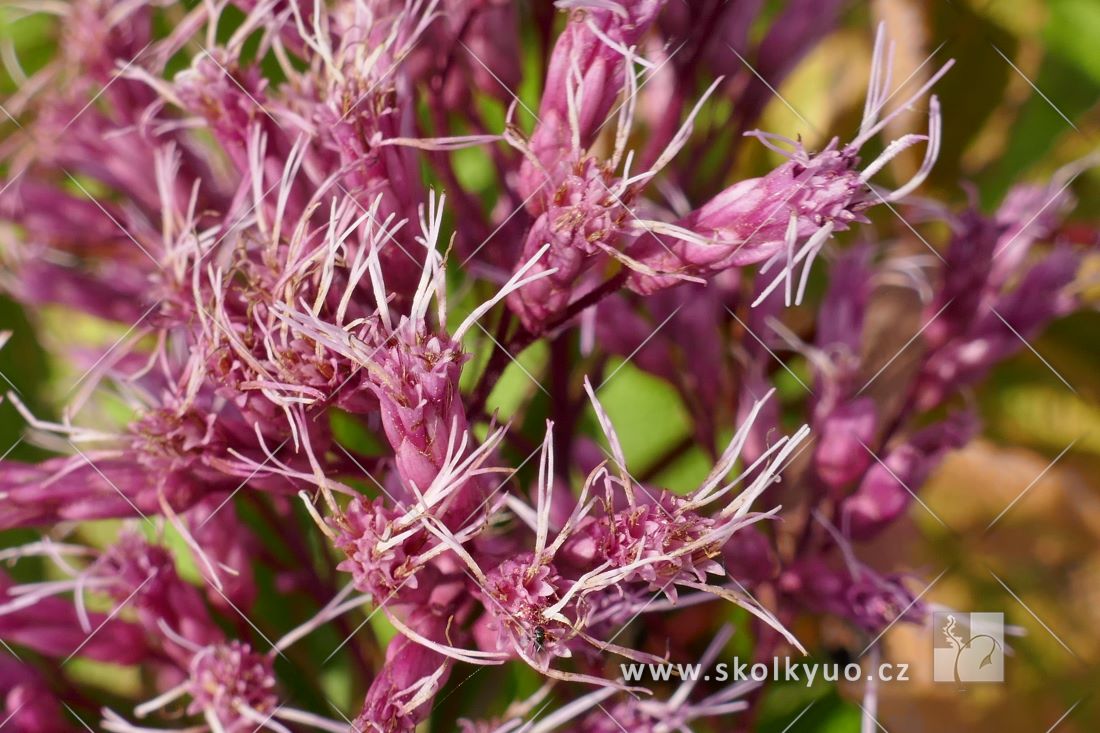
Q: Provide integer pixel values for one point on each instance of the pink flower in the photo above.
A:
(804, 200)
(888, 487)
(247, 193)
(584, 77)
(399, 698)
(52, 627)
(29, 704)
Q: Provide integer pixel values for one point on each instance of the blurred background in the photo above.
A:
(1012, 522)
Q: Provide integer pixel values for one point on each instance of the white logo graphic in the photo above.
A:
(968, 647)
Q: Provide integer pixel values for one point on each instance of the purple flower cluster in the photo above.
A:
(251, 193)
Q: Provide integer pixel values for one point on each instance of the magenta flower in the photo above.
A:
(281, 476)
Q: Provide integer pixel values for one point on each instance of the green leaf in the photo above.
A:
(475, 170)
(519, 381)
(23, 366)
(32, 38)
(114, 679)
(794, 707)
(647, 413)
(967, 105)
(1071, 33)
(1068, 91)
(351, 434)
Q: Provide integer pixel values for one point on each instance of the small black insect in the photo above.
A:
(540, 637)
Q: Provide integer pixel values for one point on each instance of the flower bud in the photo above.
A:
(840, 456)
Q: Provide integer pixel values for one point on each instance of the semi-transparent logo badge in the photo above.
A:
(968, 647)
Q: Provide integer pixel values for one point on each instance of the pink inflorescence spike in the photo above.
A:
(551, 422)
